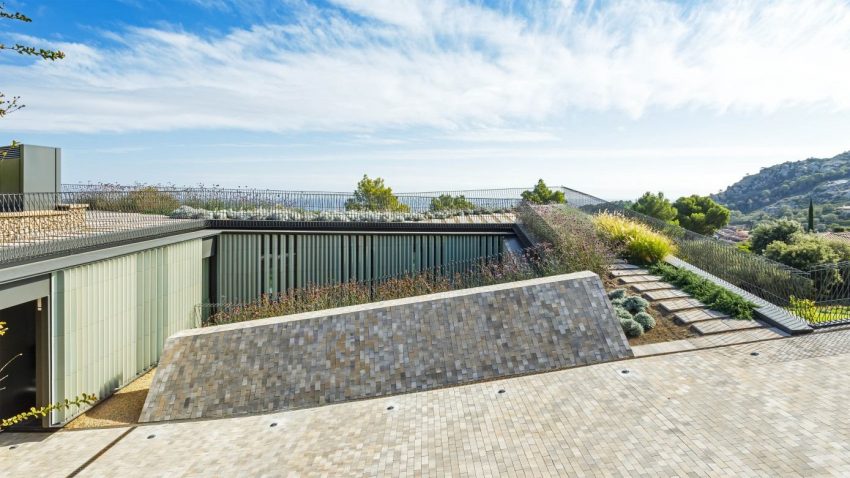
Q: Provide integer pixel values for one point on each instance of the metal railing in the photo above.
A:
(39, 225)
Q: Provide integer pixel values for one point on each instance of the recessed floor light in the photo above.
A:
(502, 391)
(151, 436)
(273, 424)
(754, 354)
(13, 447)
(390, 407)
(624, 371)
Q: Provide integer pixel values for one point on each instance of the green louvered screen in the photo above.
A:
(111, 318)
(252, 264)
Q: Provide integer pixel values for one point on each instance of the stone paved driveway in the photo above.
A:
(717, 412)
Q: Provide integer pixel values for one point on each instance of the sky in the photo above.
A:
(611, 97)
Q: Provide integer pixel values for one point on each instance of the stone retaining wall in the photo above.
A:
(386, 348)
(30, 225)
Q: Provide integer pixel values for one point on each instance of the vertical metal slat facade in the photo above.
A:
(110, 318)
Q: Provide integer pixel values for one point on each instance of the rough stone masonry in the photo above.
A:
(386, 348)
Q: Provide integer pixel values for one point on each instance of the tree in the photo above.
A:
(802, 251)
(768, 232)
(11, 104)
(701, 214)
(447, 202)
(811, 224)
(657, 206)
(374, 195)
(541, 194)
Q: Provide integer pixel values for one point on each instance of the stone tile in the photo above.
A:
(630, 272)
(737, 337)
(715, 412)
(717, 326)
(664, 294)
(386, 348)
(648, 286)
(640, 278)
(675, 305)
(697, 315)
(663, 348)
(51, 454)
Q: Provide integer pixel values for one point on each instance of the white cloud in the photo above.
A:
(383, 65)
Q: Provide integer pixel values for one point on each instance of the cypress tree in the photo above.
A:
(811, 216)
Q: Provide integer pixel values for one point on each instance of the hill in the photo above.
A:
(784, 191)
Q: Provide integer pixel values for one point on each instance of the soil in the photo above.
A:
(122, 408)
(666, 330)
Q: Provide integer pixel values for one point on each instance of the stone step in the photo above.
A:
(676, 305)
(648, 286)
(636, 279)
(629, 272)
(697, 315)
(717, 326)
(664, 294)
(622, 267)
(619, 261)
(737, 337)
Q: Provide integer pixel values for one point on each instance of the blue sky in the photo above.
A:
(611, 97)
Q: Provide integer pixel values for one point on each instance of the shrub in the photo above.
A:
(617, 294)
(639, 242)
(802, 251)
(618, 302)
(575, 244)
(622, 313)
(635, 304)
(706, 291)
(631, 328)
(645, 320)
(505, 268)
(150, 200)
(767, 232)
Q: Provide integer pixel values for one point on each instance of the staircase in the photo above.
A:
(713, 328)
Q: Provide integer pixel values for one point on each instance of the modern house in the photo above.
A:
(93, 281)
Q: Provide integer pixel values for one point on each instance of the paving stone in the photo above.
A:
(636, 279)
(648, 286)
(629, 272)
(663, 348)
(697, 315)
(717, 326)
(675, 305)
(704, 413)
(664, 294)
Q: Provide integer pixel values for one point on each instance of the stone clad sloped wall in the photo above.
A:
(386, 348)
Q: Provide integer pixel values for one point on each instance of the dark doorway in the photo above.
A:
(17, 348)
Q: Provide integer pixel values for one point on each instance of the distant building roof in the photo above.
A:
(838, 236)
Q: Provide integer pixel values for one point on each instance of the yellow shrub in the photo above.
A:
(641, 244)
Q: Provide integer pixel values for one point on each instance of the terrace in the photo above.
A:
(287, 280)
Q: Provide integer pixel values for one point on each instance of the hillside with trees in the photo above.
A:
(784, 191)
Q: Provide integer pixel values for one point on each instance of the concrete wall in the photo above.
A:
(386, 348)
(110, 318)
